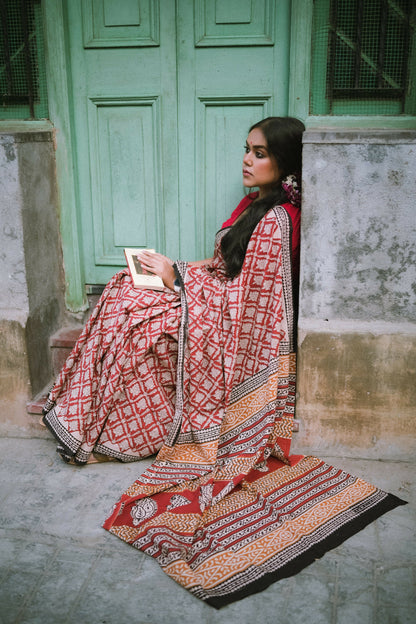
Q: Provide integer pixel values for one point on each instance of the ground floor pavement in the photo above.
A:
(57, 565)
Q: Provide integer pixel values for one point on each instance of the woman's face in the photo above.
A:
(259, 167)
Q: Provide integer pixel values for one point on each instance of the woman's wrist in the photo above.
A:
(169, 278)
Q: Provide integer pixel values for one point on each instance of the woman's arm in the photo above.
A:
(199, 263)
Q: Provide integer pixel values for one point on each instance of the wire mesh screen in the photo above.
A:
(363, 57)
(22, 68)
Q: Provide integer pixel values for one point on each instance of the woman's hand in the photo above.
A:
(159, 265)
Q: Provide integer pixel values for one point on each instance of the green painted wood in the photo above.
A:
(158, 130)
(300, 58)
(235, 22)
(126, 13)
(222, 124)
(410, 103)
(60, 98)
(200, 96)
(123, 114)
(124, 180)
(319, 101)
(130, 23)
(222, 90)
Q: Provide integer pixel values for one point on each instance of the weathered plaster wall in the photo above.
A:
(31, 278)
(14, 303)
(357, 320)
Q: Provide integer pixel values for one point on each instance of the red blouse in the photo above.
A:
(294, 214)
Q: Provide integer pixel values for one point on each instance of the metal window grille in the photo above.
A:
(22, 70)
(363, 56)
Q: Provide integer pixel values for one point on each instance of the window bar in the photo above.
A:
(26, 52)
(406, 47)
(6, 48)
(358, 38)
(332, 48)
(382, 43)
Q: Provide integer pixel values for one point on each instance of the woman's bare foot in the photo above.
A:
(94, 458)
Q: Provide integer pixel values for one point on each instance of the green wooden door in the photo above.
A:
(163, 93)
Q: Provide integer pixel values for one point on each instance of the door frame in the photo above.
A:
(58, 82)
(60, 111)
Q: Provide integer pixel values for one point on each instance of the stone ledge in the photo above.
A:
(27, 131)
(357, 135)
(354, 326)
(66, 337)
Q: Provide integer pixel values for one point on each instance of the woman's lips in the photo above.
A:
(246, 173)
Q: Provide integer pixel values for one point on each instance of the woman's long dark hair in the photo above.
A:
(284, 142)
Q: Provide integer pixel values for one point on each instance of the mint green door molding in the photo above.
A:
(160, 97)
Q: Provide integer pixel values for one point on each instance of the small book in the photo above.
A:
(140, 277)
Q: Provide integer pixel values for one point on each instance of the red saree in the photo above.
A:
(116, 393)
(224, 508)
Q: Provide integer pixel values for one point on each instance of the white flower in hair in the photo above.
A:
(291, 186)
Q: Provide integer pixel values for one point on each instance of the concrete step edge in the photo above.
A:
(65, 337)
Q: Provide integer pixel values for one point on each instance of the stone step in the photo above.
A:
(61, 344)
(35, 405)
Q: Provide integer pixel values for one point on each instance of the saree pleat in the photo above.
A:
(116, 392)
(225, 508)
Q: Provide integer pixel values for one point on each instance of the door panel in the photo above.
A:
(124, 133)
(221, 125)
(108, 23)
(124, 110)
(163, 94)
(229, 77)
(234, 22)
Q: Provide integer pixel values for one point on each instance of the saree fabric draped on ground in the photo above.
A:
(207, 380)
(224, 508)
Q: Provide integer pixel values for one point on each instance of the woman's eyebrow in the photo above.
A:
(257, 146)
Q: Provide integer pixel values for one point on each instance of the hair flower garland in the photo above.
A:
(291, 186)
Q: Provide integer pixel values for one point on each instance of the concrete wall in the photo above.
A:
(31, 275)
(357, 321)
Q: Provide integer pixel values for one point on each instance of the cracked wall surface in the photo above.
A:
(357, 320)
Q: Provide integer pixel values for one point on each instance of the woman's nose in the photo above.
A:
(247, 158)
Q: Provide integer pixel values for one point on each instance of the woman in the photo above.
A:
(116, 396)
(207, 379)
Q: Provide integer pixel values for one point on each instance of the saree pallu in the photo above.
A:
(224, 508)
